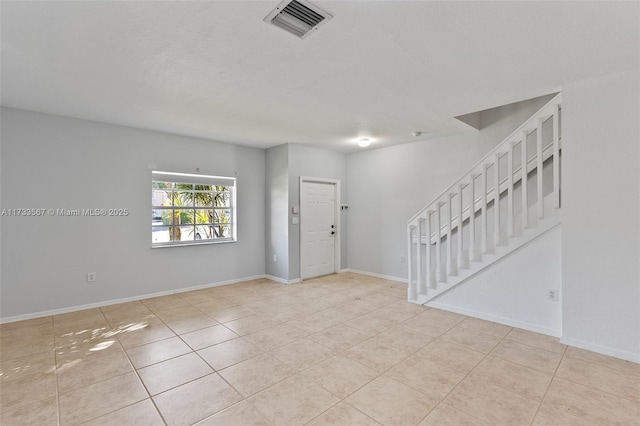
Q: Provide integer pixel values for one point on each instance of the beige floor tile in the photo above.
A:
(141, 413)
(126, 313)
(162, 350)
(322, 320)
(293, 401)
(376, 355)
(404, 338)
(186, 325)
(357, 307)
(493, 404)
(390, 402)
(231, 313)
(528, 356)
(524, 381)
(95, 400)
(163, 303)
(241, 414)
(549, 416)
(180, 313)
(445, 415)
(451, 355)
(9, 326)
(626, 367)
(19, 349)
(380, 300)
(600, 377)
(398, 312)
(89, 316)
(138, 333)
(44, 412)
(471, 339)
(179, 407)
(228, 353)
(302, 353)
(37, 331)
(197, 296)
(174, 372)
(434, 322)
(421, 374)
(343, 414)
(536, 340)
(26, 390)
(487, 327)
(17, 368)
(212, 306)
(255, 374)
(75, 353)
(208, 337)
(590, 404)
(339, 337)
(85, 373)
(277, 336)
(250, 324)
(340, 375)
(370, 324)
(80, 333)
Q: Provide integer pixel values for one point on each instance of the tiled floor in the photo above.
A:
(339, 350)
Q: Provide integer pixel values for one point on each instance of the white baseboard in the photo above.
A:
(123, 300)
(604, 350)
(373, 274)
(282, 280)
(495, 318)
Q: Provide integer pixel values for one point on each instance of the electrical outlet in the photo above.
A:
(91, 277)
(553, 295)
(402, 259)
(275, 258)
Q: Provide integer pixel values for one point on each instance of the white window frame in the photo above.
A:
(196, 179)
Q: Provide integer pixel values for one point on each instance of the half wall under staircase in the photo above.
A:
(506, 200)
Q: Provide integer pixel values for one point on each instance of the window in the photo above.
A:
(191, 209)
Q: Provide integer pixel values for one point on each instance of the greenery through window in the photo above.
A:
(191, 209)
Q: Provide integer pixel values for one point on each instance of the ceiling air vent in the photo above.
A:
(299, 17)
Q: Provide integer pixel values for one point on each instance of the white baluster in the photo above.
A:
(556, 156)
(420, 282)
(451, 266)
(523, 181)
(510, 191)
(496, 201)
(483, 200)
(473, 253)
(431, 280)
(462, 263)
(439, 271)
(411, 288)
(540, 201)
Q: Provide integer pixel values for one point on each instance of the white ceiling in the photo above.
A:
(380, 69)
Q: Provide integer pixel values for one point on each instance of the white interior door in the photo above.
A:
(318, 228)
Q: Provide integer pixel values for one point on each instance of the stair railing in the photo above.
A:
(423, 276)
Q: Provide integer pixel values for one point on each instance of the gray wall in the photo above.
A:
(276, 208)
(601, 214)
(55, 162)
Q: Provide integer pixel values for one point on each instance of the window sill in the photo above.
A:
(193, 243)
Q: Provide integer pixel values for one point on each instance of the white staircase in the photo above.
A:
(497, 207)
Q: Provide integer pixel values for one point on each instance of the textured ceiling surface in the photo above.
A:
(378, 69)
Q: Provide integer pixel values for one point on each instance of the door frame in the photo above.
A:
(336, 215)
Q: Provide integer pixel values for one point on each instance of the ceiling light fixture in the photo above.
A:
(364, 142)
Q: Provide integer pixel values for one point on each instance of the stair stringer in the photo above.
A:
(550, 221)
